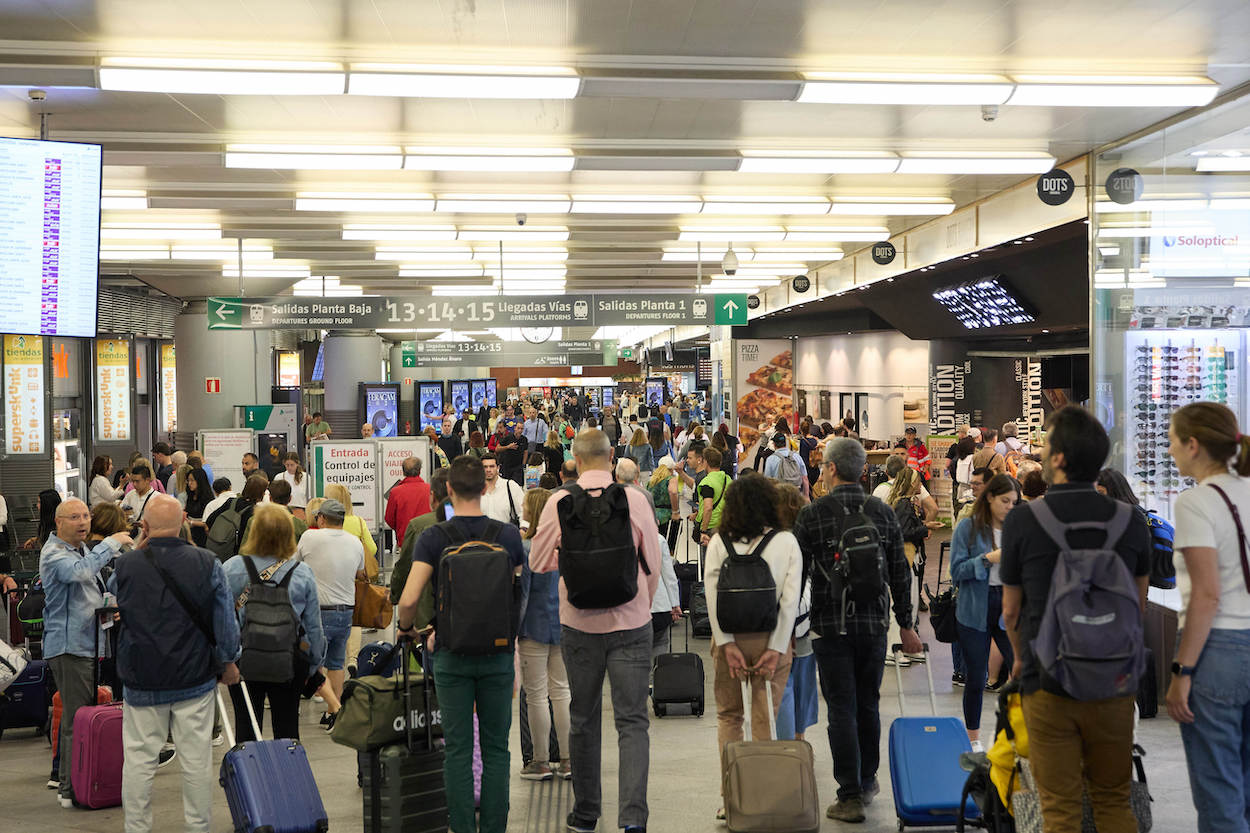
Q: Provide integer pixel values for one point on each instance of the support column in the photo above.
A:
(351, 357)
(242, 359)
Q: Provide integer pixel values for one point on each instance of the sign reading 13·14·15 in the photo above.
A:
(375, 312)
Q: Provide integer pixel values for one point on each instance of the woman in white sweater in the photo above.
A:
(752, 624)
(101, 488)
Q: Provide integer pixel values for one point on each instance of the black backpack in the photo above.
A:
(271, 629)
(909, 521)
(857, 572)
(476, 601)
(223, 530)
(598, 558)
(746, 593)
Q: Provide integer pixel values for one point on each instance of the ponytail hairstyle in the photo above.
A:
(1214, 426)
(299, 470)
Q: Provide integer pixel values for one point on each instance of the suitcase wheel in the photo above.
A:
(900, 825)
(659, 710)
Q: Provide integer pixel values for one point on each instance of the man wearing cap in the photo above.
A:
(162, 461)
(917, 455)
(337, 559)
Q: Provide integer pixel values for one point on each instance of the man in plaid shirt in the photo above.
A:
(851, 665)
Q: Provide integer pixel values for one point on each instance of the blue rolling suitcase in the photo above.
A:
(924, 763)
(269, 784)
(28, 699)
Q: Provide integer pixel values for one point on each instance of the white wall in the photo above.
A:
(889, 367)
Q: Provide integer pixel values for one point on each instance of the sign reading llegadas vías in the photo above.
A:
(474, 313)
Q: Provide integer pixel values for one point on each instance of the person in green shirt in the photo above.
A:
(318, 429)
(711, 493)
(419, 524)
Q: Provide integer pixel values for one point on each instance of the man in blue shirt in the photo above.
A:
(74, 591)
(535, 428)
(179, 636)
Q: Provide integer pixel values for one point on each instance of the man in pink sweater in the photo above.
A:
(598, 640)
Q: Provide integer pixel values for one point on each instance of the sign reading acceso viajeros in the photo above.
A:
(373, 312)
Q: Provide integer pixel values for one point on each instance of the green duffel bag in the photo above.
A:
(372, 714)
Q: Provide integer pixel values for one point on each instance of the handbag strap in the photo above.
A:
(1241, 535)
(195, 614)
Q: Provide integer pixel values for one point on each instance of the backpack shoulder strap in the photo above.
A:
(763, 544)
(1118, 523)
(1056, 529)
(491, 533)
(453, 533)
(252, 575)
(1115, 526)
(286, 580)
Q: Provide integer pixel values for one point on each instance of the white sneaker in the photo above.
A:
(67, 803)
(921, 657)
(218, 739)
(902, 663)
(977, 746)
(317, 698)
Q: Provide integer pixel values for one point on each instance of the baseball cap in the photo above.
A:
(332, 509)
(975, 433)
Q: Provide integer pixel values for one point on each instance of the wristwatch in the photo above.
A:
(1183, 670)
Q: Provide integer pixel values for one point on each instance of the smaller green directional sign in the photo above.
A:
(627, 352)
(731, 310)
(408, 353)
(225, 313)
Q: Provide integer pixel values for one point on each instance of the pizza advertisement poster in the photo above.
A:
(764, 381)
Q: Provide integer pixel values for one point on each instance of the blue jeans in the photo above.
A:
(484, 683)
(337, 625)
(799, 706)
(975, 650)
(1217, 743)
(850, 678)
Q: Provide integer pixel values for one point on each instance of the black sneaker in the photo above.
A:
(575, 825)
(166, 756)
(957, 679)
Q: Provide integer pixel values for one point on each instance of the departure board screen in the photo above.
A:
(49, 237)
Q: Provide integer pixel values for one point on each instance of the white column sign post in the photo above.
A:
(354, 464)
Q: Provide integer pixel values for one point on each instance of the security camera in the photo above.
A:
(36, 95)
(989, 112)
(521, 218)
(729, 263)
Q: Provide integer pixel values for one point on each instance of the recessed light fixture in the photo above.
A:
(221, 77)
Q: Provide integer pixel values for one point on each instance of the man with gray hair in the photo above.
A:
(627, 473)
(851, 651)
(598, 641)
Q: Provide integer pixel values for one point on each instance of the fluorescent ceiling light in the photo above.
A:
(449, 254)
(1216, 164)
(267, 272)
(1163, 205)
(312, 287)
(542, 160)
(534, 234)
(709, 253)
(315, 157)
(1112, 91)
(1109, 251)
(221, 77)
(452, 290)
(714, 235)
(365, 202)
(160, 231)
(365, 231)
(875, 206)
(805, 255)
(417, 270)
(836, 234)
(226, 252)
(636, 204)
(505, 203)
(548, 255)
(903, 88)
(976, 163)
(134, 253)
(709, 288)
(765, 205)
(443, 81)
(123, 200)
(816, 162)
(770, 269)
(1230, 203)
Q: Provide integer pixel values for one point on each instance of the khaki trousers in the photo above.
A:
(728, 692)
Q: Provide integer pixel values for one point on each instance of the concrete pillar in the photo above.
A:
(351, 357)
(242, 359)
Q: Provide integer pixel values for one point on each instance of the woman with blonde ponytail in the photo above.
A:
(1210, 690)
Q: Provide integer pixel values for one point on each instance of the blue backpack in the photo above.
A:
(1162, 570)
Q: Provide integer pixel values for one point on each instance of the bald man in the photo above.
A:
(73, 591)
(180, 638)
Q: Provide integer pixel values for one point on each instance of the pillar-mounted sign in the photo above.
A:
(801, 283)
(25, 428)
(112, 389)
(169, 389)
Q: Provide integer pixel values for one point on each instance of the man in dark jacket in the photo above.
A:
(179, 637)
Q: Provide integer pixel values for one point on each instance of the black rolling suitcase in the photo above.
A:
(677, 680)
(1148, 689)
(403, 782)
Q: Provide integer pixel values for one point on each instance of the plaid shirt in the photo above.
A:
(818, 528)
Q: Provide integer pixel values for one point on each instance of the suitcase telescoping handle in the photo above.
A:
(686, 618)
(748, 696)
(96, 666)
(225, 719)
(897, 651)
(406, 646)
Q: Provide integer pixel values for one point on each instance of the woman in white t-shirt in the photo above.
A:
(299, 479)
(1210, 691)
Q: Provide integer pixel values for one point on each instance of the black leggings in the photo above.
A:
(283, 704)
(674, 530)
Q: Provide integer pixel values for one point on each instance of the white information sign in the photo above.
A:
(354, 464)
(391, 460)
(223, 450)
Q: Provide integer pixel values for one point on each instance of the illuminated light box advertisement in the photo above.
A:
(460, 397)
(657, 387)
(24, 425)
(112, 389)
(430, 405)
(607, 397)
(169, 389)
(49, 237)
(353, 464)
(380, 407)
(492, 393)
(988, 302)
(477, 393)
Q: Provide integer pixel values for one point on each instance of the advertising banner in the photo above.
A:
(460, 397)
(25, 430)
(430, 405)
(607, 397)
(381, 408)
(492, 393)
(353, 464)
(764, 375)
(169, 389)
(984, 391)
(477, 393)
(112, 389)
(223, 451)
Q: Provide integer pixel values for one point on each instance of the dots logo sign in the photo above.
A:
(1055, 187)
(1124, 186)
(883, 254)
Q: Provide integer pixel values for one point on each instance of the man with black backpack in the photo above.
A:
(603, 539)
(853, 554)
(1075, 570)
(472, 561)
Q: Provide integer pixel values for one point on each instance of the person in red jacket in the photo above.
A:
(917, 455)
(407, 499)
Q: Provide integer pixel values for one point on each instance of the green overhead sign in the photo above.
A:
(731, 310)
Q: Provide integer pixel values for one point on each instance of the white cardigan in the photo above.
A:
(101, 491)
(785, 560)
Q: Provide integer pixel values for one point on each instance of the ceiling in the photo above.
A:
(671, 93)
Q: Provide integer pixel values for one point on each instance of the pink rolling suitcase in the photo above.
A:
(96, 767)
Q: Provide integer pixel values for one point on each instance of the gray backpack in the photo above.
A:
(1090, 637)
(789, 470)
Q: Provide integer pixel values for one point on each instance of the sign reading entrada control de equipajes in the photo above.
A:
(478, 312)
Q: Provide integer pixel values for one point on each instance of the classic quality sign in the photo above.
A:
(383, 311)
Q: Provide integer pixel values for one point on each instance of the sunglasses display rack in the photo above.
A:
(1167, 370)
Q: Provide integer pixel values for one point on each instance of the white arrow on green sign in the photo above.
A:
(225, 314)
(731, 310)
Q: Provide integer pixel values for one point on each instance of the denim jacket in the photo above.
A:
(540, 604)
(971, 574)
(74, 590)
(303, 592)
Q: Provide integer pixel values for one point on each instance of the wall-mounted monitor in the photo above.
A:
(379, 405)
(459, 393)
(492, 393)
(430, 405)
(983, 303)
(477, 393)
(49, 237)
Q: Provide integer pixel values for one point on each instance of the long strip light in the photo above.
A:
(723, 235)
(223, 252)
(765, 205)
(505, 203)
(636, 204)
(133, 252)
(315, 157)
(160, 231)
(1160, 205)
(123, 200)
(539, 160)
(903, 88)
(1223, 164)
(371, 231)
(441, 270)
(1112, 91)
(452, 81)
(530, 234)
(264, 271)
(372, 201)
(976, 163)
(432, 254)
(879, 206)
(222, 77)
(816, 162)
